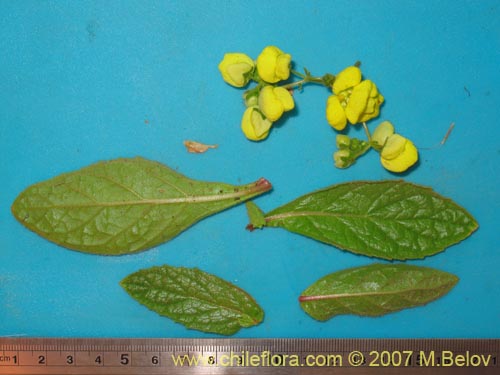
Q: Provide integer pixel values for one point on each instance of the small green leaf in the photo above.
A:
(194, 298)
(255, 215)
(123, 206)
(375, 290)
(384, 219)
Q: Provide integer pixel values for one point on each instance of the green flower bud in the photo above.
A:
(342, 158)
(342, 141)
(251, 100)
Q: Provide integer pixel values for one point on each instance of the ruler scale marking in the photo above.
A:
(145, 356)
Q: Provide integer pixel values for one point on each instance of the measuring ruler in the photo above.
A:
(248, 356)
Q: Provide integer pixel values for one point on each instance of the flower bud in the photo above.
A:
(254, 124)
(273, 64)
(398, 154)
(341, 158)
(342, 141)
(236, 69)
(273, 101)
(251, 100)
(381, 133)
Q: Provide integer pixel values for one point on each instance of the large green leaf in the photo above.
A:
(123, 206)
(194, 298)
(385, 219)
(374, 290)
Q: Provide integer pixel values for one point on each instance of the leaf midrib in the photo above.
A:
(364, 294)
(212, 302)
(290, 214)
(164, 201)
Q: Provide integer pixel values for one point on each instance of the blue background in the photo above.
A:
(88, 81)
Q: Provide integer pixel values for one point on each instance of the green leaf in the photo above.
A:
(385, 219)
(375, 290)
(123, 206)
(194, 298)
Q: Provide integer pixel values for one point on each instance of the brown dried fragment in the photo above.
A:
(197, 147)
(450, 129)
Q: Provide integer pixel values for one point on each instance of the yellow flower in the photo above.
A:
(364, 102)
(346, 79)
(353, 100)
(273, 101)
(236, 68)
(381, 133)
(273, 64)
(254, 124)
(398, 154)
(335, 114)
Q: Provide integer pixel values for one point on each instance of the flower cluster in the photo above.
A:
(357, 101)
(354, 101)
(267, 102)
(397, 153)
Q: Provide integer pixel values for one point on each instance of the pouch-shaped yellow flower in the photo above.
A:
(273, 101)
(364, 102)
(398, 154)
(382, 133)
(273, 64)
(235, 69)
(347, 78)
(335, 114)
(254, 124)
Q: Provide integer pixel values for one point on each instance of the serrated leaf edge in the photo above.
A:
(270, 217)
(242, 314)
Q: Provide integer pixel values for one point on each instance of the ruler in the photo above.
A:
(248, 356)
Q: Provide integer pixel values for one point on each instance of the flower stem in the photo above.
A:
(298, 74)
(305, 79)
(294, 84)
(368, 135)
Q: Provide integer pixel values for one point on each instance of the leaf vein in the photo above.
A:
(172, 185)
(117, 183)
(125, 228)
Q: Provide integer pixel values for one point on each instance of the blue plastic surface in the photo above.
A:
(88, 81)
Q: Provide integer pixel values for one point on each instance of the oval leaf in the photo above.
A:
(123, 206)
(384, 219)
(194, 298)
(375, 290)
